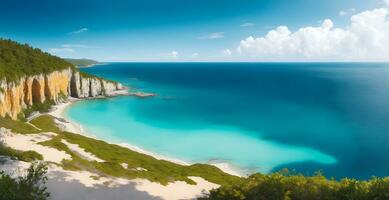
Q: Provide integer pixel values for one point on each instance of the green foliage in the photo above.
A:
(17, 60)
(279, 186)
(28, 187)
(81, 62)
(45, 123)
(156, 170)
(62, 96)
(17, 126)
(26, 156)
(36, 107)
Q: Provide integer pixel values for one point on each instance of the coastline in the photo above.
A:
(59, 113)
(90, 65)
(63, 182)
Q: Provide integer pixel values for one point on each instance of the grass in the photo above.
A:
(114, 155)
(27, 156)
(46, 124)
(17, 126)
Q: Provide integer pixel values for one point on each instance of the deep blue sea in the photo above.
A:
(332, 117)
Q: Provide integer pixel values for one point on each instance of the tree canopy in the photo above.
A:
(283, 186)
(17, 60)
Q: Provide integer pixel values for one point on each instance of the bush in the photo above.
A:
(37, 107)
(26, 156)
(28, 187)
(279, 186)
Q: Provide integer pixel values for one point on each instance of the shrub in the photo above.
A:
(279, 186)
(28, 187)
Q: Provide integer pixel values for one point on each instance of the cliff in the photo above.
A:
(32, 78)
(28, 90)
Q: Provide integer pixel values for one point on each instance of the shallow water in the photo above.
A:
(257, 116)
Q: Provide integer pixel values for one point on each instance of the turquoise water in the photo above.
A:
(255, 116)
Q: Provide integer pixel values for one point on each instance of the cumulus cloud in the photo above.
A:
(81, 30)
(213, 36)
(227, 52)
(365, 38)
(248, 24)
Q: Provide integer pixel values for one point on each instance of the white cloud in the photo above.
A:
(248, 24)
(212, 36)
(349, 11)
(342, 13)
(195, 55)
(386, 2)
(79, 31)
(365, 38)
(173, 54)
(61, 50)
(227, 52)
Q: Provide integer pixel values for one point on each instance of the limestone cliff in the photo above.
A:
(18, 95)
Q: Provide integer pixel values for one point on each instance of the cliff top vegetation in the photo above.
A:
(17, 60)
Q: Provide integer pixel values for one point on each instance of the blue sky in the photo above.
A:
(167, 30)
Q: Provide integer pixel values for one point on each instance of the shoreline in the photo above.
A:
(90, 65)
(63, 182)
(58, 112)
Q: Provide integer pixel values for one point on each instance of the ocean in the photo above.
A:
(257, 117)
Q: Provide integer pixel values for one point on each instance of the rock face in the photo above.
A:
(16, 96)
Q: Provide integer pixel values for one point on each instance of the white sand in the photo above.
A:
(227, 168)
(27, 142)
(58, 112)
(178, 189)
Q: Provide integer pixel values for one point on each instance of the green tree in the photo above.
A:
(28, 187)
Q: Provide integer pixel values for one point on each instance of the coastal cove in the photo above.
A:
(238, 115)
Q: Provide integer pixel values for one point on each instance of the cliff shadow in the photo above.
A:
(63, 189)
(36, 89)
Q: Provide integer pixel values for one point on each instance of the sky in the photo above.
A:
(201, 30)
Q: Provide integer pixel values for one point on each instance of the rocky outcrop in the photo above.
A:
(18, 95)
(84, 87)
